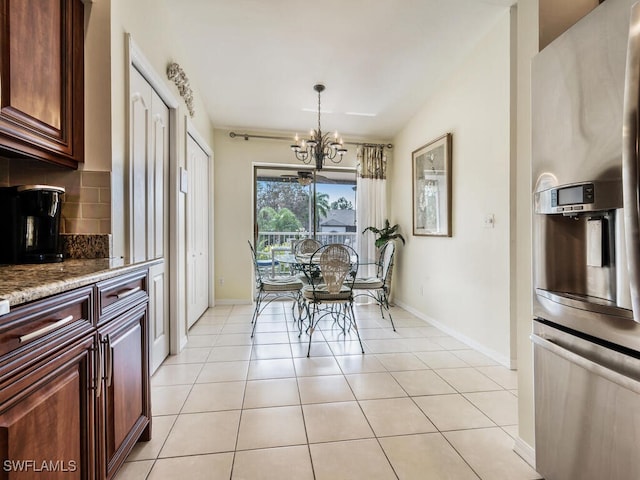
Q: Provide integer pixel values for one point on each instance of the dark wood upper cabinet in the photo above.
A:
(42, 80)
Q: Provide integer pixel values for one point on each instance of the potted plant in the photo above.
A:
(388, 232)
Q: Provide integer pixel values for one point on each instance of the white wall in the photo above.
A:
(463, 282)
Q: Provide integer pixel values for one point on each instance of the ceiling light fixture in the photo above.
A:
(319, 147)
(304, 178)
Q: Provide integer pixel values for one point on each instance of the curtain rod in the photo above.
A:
(247, 136)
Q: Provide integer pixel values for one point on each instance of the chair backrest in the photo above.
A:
(255, 264)
(387, 253)
(338, 263)
(308, 245)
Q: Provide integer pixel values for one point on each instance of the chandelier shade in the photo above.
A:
(319, 147)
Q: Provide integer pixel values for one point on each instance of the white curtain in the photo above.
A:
(371, 200)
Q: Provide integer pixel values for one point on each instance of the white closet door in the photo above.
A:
(197, 231)
(148, 204)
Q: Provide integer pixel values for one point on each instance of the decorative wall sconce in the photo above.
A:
(175, 73)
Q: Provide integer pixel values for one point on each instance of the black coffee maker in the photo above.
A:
(30, 219)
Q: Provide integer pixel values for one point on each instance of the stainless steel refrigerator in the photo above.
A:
(586, 255)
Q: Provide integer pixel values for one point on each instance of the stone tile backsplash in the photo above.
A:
(87, 201)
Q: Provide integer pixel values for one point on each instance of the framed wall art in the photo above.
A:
(431, 166)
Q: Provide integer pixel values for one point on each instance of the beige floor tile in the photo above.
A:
(271, 427)
(395, 416)
(490, 453)
(234, 339)
(212, 320)
(276, 392)
(503, 376)
(199, 433)
(330, 422)
(512, 430)
(134, 470)
(436, 459)
(273, 464)
(271, 337)
(239, 318)
(230, 353)
(223, 372)
(188, 355)
(168, 400)
(337, 335)
(183, 374)
(368, 386)
(499, 406)
(467, 380)
(350, 460)
(474, 358)
(161, 426)
(313, 366)
(360, 364)
(450, 343)
(319, 349)
(392, 345)
(395, 362)
(262, 352)
(377, 333)
(201, 341)
(441, 359)
(272, 327)
(452, 412)
(203, 329)
(422, 345)
(422, 382)
(416, 332)
(323, 389)
(194, 467)
(271, 368)
(344, 348)
(235, 328)
(211, 397)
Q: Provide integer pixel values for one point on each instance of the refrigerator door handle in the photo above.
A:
(586, 363)
(630, 179)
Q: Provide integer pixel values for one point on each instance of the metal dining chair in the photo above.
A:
(379, 287)
(273, 288)
(333, 296)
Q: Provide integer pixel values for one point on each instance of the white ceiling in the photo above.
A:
(254, 62)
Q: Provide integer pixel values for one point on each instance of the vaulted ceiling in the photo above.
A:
(254, 62)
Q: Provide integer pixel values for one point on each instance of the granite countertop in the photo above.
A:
(25, 283)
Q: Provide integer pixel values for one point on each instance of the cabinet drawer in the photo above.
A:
(121, 293)
(43, 326)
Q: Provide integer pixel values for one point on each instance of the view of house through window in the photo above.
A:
(293, 203)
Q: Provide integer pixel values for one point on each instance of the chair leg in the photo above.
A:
(256, 313)
(385, 299)
(352, 321)
(312, 326)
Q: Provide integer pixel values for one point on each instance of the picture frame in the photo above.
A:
(431, 188)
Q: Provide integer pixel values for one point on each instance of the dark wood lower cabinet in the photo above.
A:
(47, 418)
(126, 407)
(74, 392)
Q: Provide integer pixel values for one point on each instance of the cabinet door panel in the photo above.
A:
(42, 79)
(126, 390)
(46, 431)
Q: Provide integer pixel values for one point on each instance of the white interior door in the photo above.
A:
(148, 204)
(197, 203)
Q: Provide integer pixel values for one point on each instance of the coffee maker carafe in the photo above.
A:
(31, 215)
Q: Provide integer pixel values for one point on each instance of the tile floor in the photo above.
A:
(417, 405)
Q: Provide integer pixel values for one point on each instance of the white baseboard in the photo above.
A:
(498, 357)
(231, 301)
(525, 451)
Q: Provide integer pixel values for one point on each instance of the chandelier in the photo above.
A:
(319, 147)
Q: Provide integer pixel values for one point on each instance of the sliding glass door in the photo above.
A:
(294, 203)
